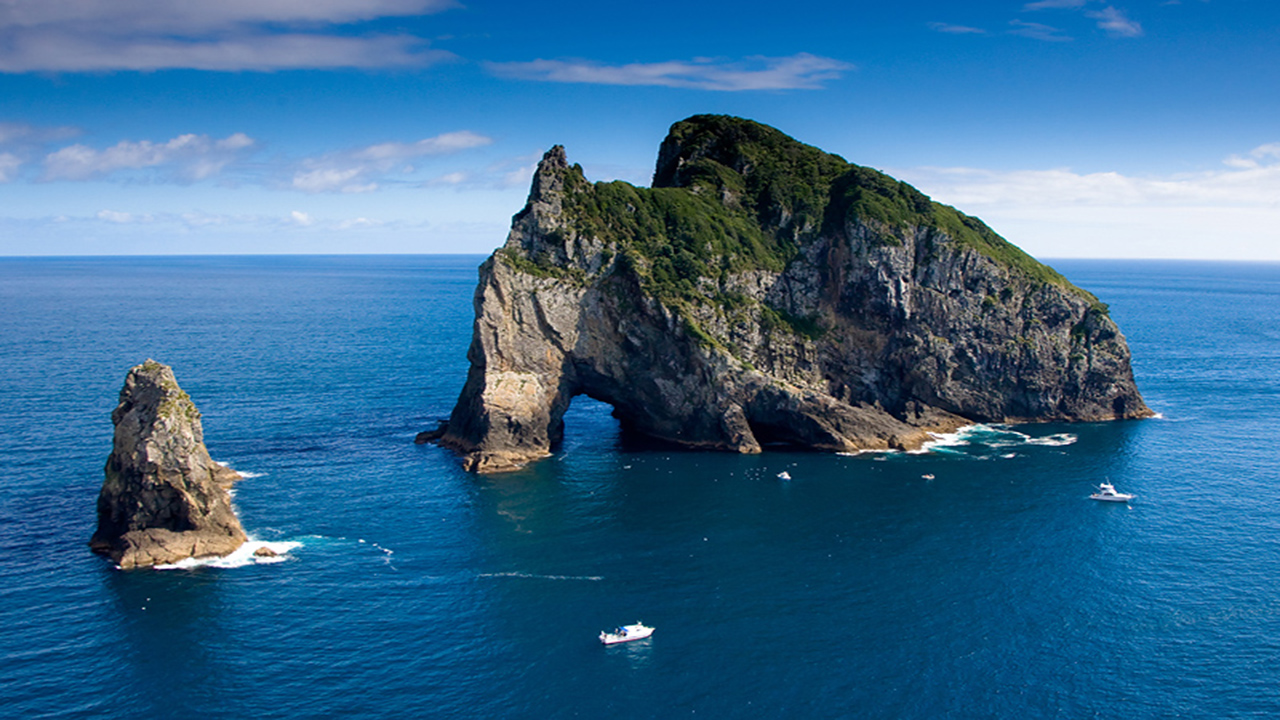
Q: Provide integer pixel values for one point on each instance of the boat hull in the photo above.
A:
(1112, 498)
(630, 632)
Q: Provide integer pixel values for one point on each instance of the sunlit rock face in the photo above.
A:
(163, 498)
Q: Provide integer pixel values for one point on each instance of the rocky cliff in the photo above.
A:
(763, 291)
(163, 498)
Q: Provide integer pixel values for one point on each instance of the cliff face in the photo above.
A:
(163, 499)
(765, 291)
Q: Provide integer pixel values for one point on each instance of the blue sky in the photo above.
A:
(1076, 128)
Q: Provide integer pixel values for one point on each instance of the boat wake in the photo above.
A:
(532, 576)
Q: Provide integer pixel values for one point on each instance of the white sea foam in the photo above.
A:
(856, 453)
(244, 474)
(1058, 440)
(992, 436)
(244, 555)
(530, 576)
(942, 441)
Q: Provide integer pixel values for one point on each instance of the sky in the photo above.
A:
(1075, 128)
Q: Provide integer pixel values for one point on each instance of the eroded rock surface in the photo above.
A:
(163, 498)
(764, 291)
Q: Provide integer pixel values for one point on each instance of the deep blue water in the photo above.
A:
(857, 589)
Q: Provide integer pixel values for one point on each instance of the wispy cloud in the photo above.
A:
(956, 29)
(1255, 158)
(360, 170)
(802, 71)
(193, 157)
(92, 35)
(9, 164)
(123, 218)
(1038, 31)
(188, 157)
(1055, 5)
(1252, 179)
(1115, 22)
(1111, 214)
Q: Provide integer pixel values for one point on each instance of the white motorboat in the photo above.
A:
(784, 475)
(1107, 493)
(626, 633)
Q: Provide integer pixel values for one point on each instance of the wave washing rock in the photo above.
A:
(163, 499)
(763, 291)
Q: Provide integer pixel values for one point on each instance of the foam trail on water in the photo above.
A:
(244, 555)
(529, 576)
(386, 553)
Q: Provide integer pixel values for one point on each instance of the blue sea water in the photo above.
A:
(859, 588)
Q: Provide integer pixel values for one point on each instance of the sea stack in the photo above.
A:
(163, 499)
(763, 291)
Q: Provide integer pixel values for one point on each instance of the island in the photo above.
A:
(163, 498)
(764, 292)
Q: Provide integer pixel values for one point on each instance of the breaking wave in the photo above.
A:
(991, 436)
(244, 555)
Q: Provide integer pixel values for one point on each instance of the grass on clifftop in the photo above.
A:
(731, 195)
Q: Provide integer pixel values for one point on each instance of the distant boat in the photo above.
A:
(1107, 493)
(928, 476)
(626, 633)
(784, 475)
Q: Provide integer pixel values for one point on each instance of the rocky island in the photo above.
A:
(163, 499)
(763, 291)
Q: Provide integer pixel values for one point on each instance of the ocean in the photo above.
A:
(859, 588)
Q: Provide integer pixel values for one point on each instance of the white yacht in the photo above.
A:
(626, 633)
(784, 475)
(1107, 493)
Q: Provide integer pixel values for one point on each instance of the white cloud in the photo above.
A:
(122, 218)
(1038, 31)
(301, 218)
(1228, 213)
(1115, 22)
(1255, 158)
(357, 223)
(9, 164)
(356, 171)
(800, 71)
(193, 157)
(23, 134)
(956, 29)
(446, 143)
(79, 35)
(1055, 4)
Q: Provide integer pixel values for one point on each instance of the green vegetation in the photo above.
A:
(732, 195)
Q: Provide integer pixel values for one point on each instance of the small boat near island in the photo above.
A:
(626, 633)
(1107, 493)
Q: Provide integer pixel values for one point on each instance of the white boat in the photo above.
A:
(626, 633)
(784, 475)
(1107, 493)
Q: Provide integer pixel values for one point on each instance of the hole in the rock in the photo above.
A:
(589, 423)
